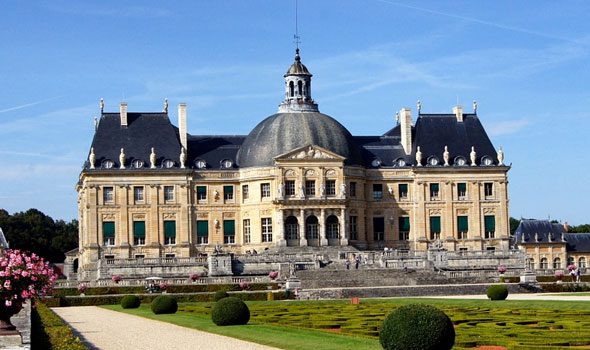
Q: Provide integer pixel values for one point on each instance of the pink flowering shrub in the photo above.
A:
(571, 267)
(502, 268)
(82, 288)
(22, 277)
(116, 278)
(559, 275)
(194, 276)
(244, 285)
(273, 274)
(163, 286)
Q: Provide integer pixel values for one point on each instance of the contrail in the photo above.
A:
(475, 20)
(30, 104)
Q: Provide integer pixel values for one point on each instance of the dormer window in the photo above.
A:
(376, 163)
(226, 164)
(460, 161)
(200, 164)
(432, 161)
(400, 162)
(137, 164)
(108, 164)
(487, 161)
(168, 163)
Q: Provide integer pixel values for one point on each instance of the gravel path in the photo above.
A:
(106, 329)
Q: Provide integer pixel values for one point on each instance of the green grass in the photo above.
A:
(337, 324)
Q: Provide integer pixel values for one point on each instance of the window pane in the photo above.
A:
(404, 224)
(435, 224)
(202, 228)
(138, 228)
(169, 228)
(108, 229)
(462, 223)
(229, 228)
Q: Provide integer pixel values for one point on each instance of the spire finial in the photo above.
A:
(296, 38)
(101, 105)
(475, 106)
(419, 105)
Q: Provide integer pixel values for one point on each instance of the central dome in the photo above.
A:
(284, 132)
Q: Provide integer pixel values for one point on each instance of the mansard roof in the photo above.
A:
(578, 242)
(531, 231)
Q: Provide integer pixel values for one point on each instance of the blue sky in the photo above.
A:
(526, 63)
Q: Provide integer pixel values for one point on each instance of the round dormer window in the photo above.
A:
(487, 161)
(460, 161)
(432, 161)
(400, 162)
(376, 163)
(200, 164)
(137, 164)
(226, 164)
(108, 164)
(168, 163)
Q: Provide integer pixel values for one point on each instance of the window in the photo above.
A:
(300, 87)
(377, 192)
(290, 188)
(378, 229)
(266, 229)
(110, 258)
(246, 231)
(434, 192)
(311, 227)
(228, 193)
(556, 263)
(245, 192)
(491, 249)
(291, 228)
(265, 190)
(291, 89)
(332, 227)
(544, 265)
(582, 263)
(169, 232)
(461, 191)
(137, 164)
(330, 187)
(530, 264)
(488, 188)
(404, 228)
(353, 189)
(108, 195)
(168, 193)
(462, 227)
(352, 225)
(108, 233)
(169, 257)
(229, 231)
(202, 232)
(139, 232)
(201, 193)
(139, 256)
(138, 194)
(403, 191)
(310, 188)
(435, 227)
(570, 260)
(490, 226)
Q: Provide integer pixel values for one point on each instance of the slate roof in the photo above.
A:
(578, 242)
(531, 231)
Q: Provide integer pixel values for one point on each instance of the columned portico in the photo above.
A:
(343, 231)
(302, 239)
(323, 239)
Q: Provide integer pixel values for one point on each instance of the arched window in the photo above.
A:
(582, 263)
(291, 89)
(311, 228)
(530, 264)
(571, 260)
(291, 228)
(332, 227)
(556, 263)
(300, 87)
(544, 265)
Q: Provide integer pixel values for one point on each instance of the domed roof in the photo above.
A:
(284, 132)
(297, 68)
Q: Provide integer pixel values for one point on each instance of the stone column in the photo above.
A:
(281, 241)
(302, 239)
(343, 227)
(152, 236)
(323, 239)
(122, 237)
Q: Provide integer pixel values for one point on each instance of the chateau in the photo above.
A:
(149, 189)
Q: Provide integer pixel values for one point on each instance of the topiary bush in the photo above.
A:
(130, 302)
(419, 327)
(220, 294)
(230, 311)
(497, 292)
(164, 304)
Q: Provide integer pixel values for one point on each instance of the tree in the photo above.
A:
(513, 225)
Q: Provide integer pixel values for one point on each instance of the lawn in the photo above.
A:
(340, 325)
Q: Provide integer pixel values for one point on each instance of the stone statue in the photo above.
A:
(182, 158)
(390, 190)
(446, 156)
(95, 123)
(92, 158)
(343, 190)
(500, 156)
(474, 106)
(281, 190)
(153, 159)
(322, 189)
(302, 192)
(473, 156)
(165, 105)
(418, 157)
(101, 105)
(122, 159)
(419, 105)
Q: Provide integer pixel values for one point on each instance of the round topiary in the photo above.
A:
(130, 302)
(220, 294)
(417, 326)
(164, 304)
(497, 292)
(230, 311)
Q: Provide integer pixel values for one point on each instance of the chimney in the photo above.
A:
(405, 116)
(123, 113)
(458, 110)
(182, 124)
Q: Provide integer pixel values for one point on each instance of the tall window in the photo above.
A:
(266, 229)
(202, 232)
(352, 227)
(435, 227)
(245, 192)
(434, 192)
(490, 226)
(377, 191)
(556, 263)
(265, 190)
(582, 263)
(404, 228)
(332, 227)
(291, 89)
(462, 227)
(300, 87)
(378, 229)
(168, 193)
(246, 231)
(352, 189)
(228, 193)
(310, 188)
(488, 188)
(330, 187)
(108, 195)
(544, 265)
(462, 191)
(201, 193)
(169, 232)
(291, 228)
(108, 233)
(139, 232)
(403, 191)
(229, 231)
(289, 188)
(138, 194)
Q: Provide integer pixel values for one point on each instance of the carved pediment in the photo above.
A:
(311, 152)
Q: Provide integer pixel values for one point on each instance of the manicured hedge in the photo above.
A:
(220, 294)
(49, 332)
(164, 304)
(130, 302)
(497, 292)
(230, 311)
(566, 287)
(185, 288)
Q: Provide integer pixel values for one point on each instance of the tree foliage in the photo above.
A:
(36, 232)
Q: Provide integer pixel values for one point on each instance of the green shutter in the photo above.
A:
(108, 229)
(462, 187)
(404, 224)
(202, 228)
(433, 187)
(435, 224)
(139, 229)
(462, 224)
(201, 189)
(403, 188)
(229, 228)
(228, 189)
(490, 223)
(169, 228)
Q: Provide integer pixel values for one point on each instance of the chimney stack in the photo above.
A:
(123, 113)
(182, 124)
(405, 116)
(458, 110)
